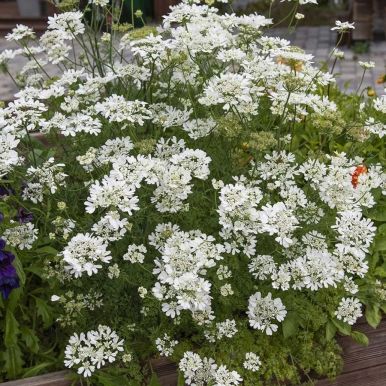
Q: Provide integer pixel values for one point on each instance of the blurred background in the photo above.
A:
(365, 43)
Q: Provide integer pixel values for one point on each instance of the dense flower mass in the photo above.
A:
(198, 189)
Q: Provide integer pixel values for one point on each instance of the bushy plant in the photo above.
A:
(200, 191)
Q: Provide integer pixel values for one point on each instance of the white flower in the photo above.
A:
(142, 291)
(84, 253)
(68, 23)
(338, 53)
(380, 104)
(135, 253)
(223, 272)
(202, 371)
(377, 128)
(231, 91)
(113, 271)
(169, 116)
(46, 178)
(252, 362)
(113, 192)
(101, 3)
(226, 290)
(199, 128)
(277, 219)
(227, 328)
(21, 236)
(185, 258)
(349, 310)
(262, 266)
(116, 108)
(9, 158)
(92, 350)
(224, 377)
(263, 312)
(367, 65)
(165, 345)
(111, 227)
(342, 26)
(20, 32)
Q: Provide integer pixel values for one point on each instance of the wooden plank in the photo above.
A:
(9, 9)
(363, 365)
(60, 378)
(361, 357)
(166, 371)
(372, 376)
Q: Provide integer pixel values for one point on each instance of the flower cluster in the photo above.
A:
(263, 311)
(92, 350)
(201, 371)
(180, 270)
(349, 310)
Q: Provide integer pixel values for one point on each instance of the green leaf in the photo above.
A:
(38, 271)
(382, 229)
(342, 327)
(111, 380)
(11, 329)
(36, 370)
(381, 271)
(13, 299)
(181, 379)
(30, 339)
(380, 244)
(330, 330)
(378, 213)
(360, 338)
(13, 361)
(44, 311)
(290, 325)
(373, 316)
(19, 269)
(48, 250)
(154, 380)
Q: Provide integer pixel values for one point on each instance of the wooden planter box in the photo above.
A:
(363, 366)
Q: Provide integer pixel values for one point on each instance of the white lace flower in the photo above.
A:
(264, 311)
(349, 310)
(84, 253)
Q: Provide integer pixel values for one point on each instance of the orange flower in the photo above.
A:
(360, 169)
(381, 79)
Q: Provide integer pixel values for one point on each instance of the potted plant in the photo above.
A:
(208, 196)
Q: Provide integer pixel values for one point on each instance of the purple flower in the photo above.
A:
(8, 275)
(1, 217)
(23, 216)
(5, 191)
